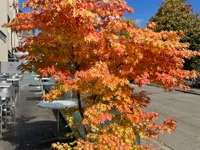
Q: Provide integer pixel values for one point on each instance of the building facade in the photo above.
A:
(8, 39)
(21, 35)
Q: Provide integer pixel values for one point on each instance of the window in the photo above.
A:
(21, 43)
(8, 19)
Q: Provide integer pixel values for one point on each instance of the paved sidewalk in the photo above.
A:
(33, 124)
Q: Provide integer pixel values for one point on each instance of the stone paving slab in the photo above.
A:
(33, 124)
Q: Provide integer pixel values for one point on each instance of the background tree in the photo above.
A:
(175, 15)
(90, 50)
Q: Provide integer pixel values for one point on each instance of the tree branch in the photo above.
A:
(81, 109)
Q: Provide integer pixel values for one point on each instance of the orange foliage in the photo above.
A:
(91, 50)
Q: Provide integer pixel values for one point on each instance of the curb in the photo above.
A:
(150, 142)
(180, 90)
(157, 144)
(189, 92)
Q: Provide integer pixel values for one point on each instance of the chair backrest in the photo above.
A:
(8, 81)
(0, 111)
(15, 77)
(68, 95)
(7, 76)
(7, 90)
(3, 81)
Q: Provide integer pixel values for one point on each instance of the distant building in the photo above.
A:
(8, 39)
(21, 35)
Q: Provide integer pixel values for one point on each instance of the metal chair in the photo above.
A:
(10, 108)
(7, 76)
(16, 86)
(3, 81)
(1, 118)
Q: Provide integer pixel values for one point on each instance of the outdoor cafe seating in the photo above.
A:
(9, 93)
(43, 81)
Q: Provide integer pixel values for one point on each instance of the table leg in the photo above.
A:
(43, 92)
(58, 117)
(19, 84)
(22, 80)
(13, 93)
(6, 114)
(14, 114)
(1, 121)
(56, 138)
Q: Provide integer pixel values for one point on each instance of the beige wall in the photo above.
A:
(3, 51)
(9, 67)
(7, 12)
(3, 15)
(3, 19)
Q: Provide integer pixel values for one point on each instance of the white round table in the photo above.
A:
(57, 105)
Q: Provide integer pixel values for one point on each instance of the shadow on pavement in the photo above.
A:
(27, 134)
(33, 98)
(34, 90)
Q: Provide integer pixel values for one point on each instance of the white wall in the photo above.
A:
(5, 11)
(3, 20)
(3, 15)
(9, 67)
(3, 51)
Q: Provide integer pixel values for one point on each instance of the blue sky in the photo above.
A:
(144, 9)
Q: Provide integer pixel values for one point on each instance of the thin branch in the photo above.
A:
(81, 109)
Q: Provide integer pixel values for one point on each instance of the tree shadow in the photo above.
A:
(27, 134)
(33, 98)
(36, 90)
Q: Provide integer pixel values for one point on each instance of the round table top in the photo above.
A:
(5, 85)
(35, 75)
(13, 79)
(57, 104)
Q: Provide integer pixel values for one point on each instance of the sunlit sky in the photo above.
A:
(144, 9)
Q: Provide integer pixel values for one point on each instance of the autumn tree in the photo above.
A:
(93, 52)
(175, 15)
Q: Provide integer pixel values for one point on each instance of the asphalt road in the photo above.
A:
(185, 109)
(35, 124)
